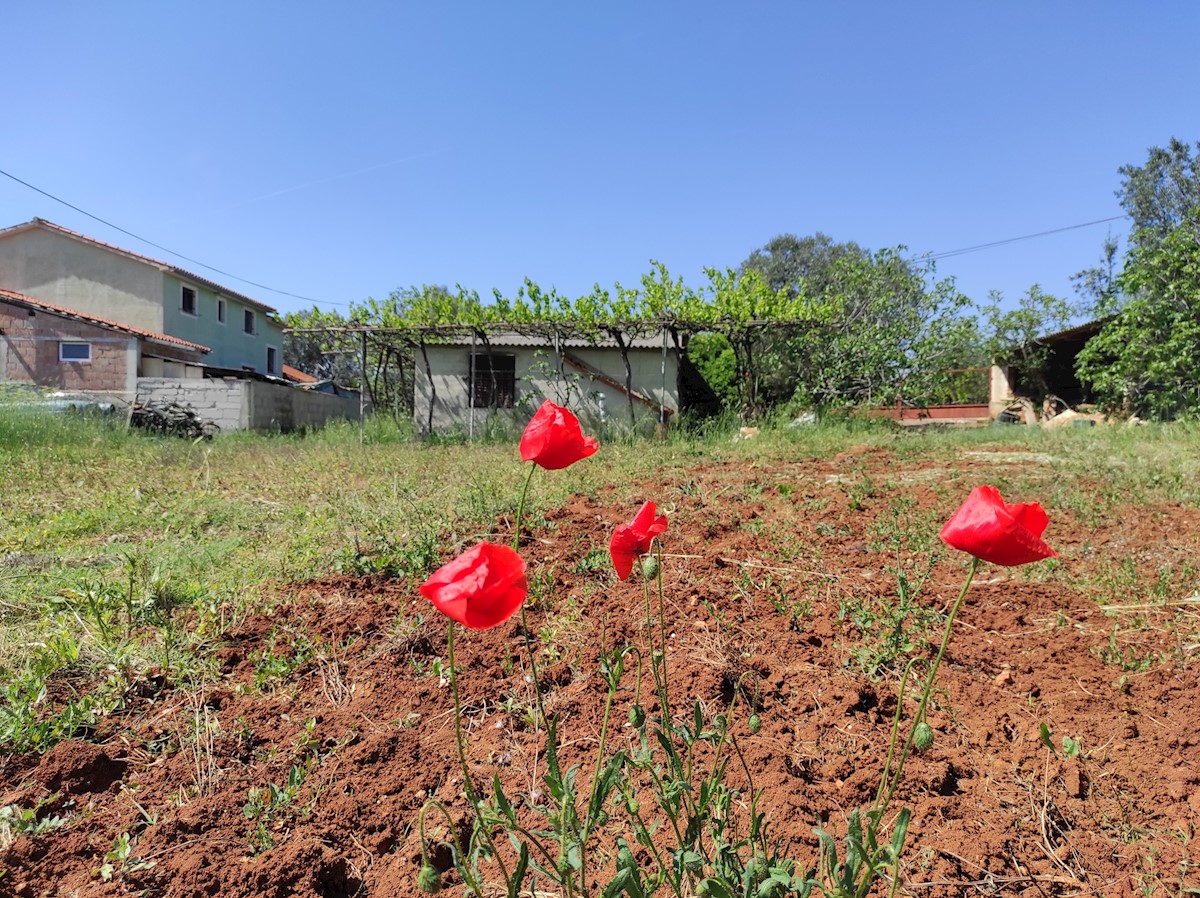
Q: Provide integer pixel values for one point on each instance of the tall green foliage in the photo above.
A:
(1144, 361)
(1012, 334)
(884, 326)
(797, 264)
(316, 344)
(713, 357)
(1163, 193)
(750, 314)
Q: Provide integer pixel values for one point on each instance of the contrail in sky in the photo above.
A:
(339, 177)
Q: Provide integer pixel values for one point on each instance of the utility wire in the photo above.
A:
(981, 246)
(169, 251)
(931, 256)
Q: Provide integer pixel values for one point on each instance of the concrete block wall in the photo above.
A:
(249, 404)
(220, 400)
(281, 407)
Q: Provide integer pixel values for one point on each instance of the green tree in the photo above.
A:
(1096, 286)
(1162, 194)
(713, 357)
(882, 319)
(788, 261)
(1011, 335)
(1157, 197)
(1144, 361)
(315, 343)
(752, 315)
(949, 361)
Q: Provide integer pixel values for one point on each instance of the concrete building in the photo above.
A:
(47, 262)
(472, 390)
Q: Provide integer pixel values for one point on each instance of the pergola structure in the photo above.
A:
(388, 343)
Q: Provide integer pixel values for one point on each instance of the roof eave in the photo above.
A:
(164, 267)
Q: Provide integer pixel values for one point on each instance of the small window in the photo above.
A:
(187, 303)
(74, 352)
(271, 360)
(221, 311)
(248, 322)
(495, 380)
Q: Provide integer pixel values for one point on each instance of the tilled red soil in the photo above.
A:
(763, 569)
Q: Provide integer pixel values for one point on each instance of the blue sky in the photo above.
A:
(343, 151)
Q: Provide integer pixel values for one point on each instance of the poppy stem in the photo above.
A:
(893, 780)
(537, 686)
(454, 844)
(658, 659)
(662, 631)
(468, 784)
(592, 812)
(521, 507)
(533, 668)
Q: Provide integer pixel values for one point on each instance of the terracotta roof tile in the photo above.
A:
(298, 376)
(31, 303)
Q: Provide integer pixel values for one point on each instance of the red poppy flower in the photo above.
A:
(481, 588)
(554, 439)
(633, 539)
(984, 526)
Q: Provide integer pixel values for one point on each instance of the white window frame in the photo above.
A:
(273, 352)
(222, 311)
(252, 319)
(195, 312)
(63, 344)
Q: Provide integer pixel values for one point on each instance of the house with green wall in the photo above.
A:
(48, 262)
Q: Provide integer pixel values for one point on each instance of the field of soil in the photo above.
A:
(782, 569)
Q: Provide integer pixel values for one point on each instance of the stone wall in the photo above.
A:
(234, 404)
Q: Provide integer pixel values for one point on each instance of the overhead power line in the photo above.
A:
(931, 256)
(164, 249)
(981, 246)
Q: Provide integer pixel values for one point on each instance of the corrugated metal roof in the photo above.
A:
(30, 303)
(525, 340)
(1087, 329)
(164, 266)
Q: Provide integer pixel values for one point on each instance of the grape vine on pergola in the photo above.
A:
(388, 342)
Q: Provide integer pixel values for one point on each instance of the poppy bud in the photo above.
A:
(649, 567)
(429, 880)
(755, 723)
(922, 736)
(637, 716)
